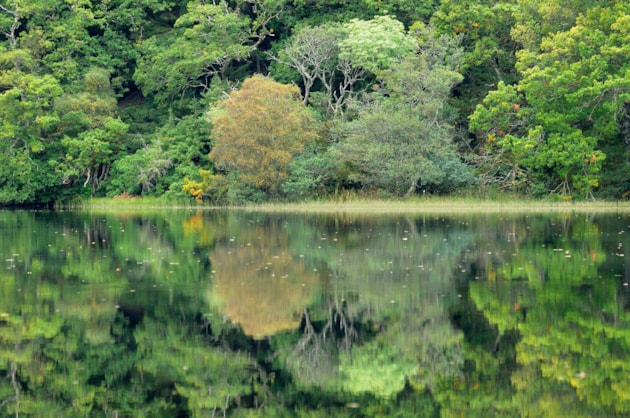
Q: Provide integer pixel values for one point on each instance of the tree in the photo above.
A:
(27, 124)
(206, 41)
(140, 172)
(376, 44)
(485, 30)
(500, 121)
(312, 52)
(571, 99)
(537, 19)
(404, 140)
(94, 136)
(259, 130)
(89, 156)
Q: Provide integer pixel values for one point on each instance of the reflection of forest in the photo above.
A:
(545, 283)
(337, 315)
(382, 320)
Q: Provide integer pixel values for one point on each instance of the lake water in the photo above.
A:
(218, 313)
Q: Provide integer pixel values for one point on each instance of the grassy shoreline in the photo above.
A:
(419, 205)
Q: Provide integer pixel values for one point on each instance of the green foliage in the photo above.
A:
(206, 41)
(27, 125)
(67, 67)
(314, 171)
(536, 19)
(139, 173)
(486, 31)
(398, 151)
(376, 44)
(404, 141)
(373, 368)
(91, 153)
(560, 110)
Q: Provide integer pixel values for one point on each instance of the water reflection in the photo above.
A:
(250, 314)
(257, 280)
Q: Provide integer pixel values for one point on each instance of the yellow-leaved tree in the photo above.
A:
(259, 130)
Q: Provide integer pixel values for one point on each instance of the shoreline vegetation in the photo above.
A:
(247, 101)
(441, 205)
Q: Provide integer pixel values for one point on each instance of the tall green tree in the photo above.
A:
(94, 137)
(570, 102)
(208, 40)
(405, 140)
(28, 122)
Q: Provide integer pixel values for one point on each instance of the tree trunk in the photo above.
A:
(625, 126)
(412, 187)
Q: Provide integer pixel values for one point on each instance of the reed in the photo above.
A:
(131, 203)
(444, 206)
(356, 204)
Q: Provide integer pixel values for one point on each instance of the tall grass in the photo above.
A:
(445, 205)
(359, 204)
(135, 203)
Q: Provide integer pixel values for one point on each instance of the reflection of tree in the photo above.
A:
(571, 321)
(258, 284)
(374, 368)
(374, 300)
(313, 359)
(211, 380)
(22, 337)
(381, 322)
(404, 283)
(418, 347)
(584, 345)
(74, 294)
(538, 396)
(432, 344)
(199, 227)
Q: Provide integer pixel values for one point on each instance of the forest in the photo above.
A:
(232, 102)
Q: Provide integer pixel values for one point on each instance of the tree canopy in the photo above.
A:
(258, 131)
(105, 98)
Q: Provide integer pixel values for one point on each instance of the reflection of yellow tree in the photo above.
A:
(259, 285)
(196, 226)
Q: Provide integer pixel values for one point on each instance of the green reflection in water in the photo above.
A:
(250, 314)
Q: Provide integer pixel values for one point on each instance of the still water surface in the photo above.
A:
(241, 314)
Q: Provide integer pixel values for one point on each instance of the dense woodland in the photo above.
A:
(250, 100)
